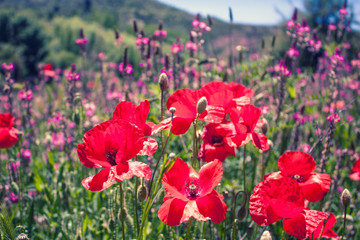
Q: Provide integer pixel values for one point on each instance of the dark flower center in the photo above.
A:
(111, 156)
(192, 190)
(298, 178)
(217, 140)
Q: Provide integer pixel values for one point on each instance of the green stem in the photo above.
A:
(188, 229)
(262, 166)
(343, 231)
(115, 217)
(150, 196)
(244, 172)
(136, 206)
(194, 143)
(122, 210)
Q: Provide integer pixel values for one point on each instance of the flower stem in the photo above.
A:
(188, 229)
(136, 206)
(244, 173)
(122, 211)
(343, 231)
(195, 143)
(150, 196)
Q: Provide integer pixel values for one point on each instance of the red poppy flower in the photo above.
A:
(274, 199)
(356, 174)
(309, 224)
(192, 194)
(222, 95)
(110, 145)
(215, 144)
(300, 167)
(246, 121)
(8, 134)
(48, 70)
(137, 115)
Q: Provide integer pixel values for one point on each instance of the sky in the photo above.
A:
(257, 12)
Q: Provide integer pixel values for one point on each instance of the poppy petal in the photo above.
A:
(171, 212)
(175, 178)
(295, 226)
(128, 111)
(260, 141)
(296, 163)
(81, 150)
(6, 120)
(127, 170)
(180, 125)
(8, 137)
(102, 180)
(274, 199)
(316, 187)
(213, 207)
(210, 176)
(149, 148)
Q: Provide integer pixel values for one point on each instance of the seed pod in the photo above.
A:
(142, 193)
(201, 105)
(163, 81)
(22, 236)
(172, 110)
(345, 198)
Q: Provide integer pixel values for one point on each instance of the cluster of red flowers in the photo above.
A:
(282, 196)
(221, 135)
(111, 144)
(8, 134)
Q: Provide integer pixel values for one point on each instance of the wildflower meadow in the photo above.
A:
(155, 133)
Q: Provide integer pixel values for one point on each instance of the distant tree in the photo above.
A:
(26, 36)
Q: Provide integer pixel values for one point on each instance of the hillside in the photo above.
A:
(121, 13)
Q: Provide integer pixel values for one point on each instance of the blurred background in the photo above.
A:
(44, 31)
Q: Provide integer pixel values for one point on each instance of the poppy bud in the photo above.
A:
(210, 21)
(160, 25)
(167, 62)
(135, 27)
(15, 187)
(163, 81)
(345, 197)
(76, 117)
(172, 155)
(241, 214)
(265, 126)
(273, 41)
(201, 105)
(172, 110)
(81, 33)
(73, 67)
(266, 236)
(230, 15)
(142, 193)
(112, 225)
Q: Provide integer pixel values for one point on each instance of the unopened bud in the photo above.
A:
(266, 236)
(172, 155)
(241, 214)
(345, 197)
(123, 213)
(201, 105)
(135, 27)
(142, 193)
(172, 110)
(163, 81)
(265, 126)
(112, 225)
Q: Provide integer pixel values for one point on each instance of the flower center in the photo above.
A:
(192, 190)
(217, 140)
(111, 156)
(298, 178)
